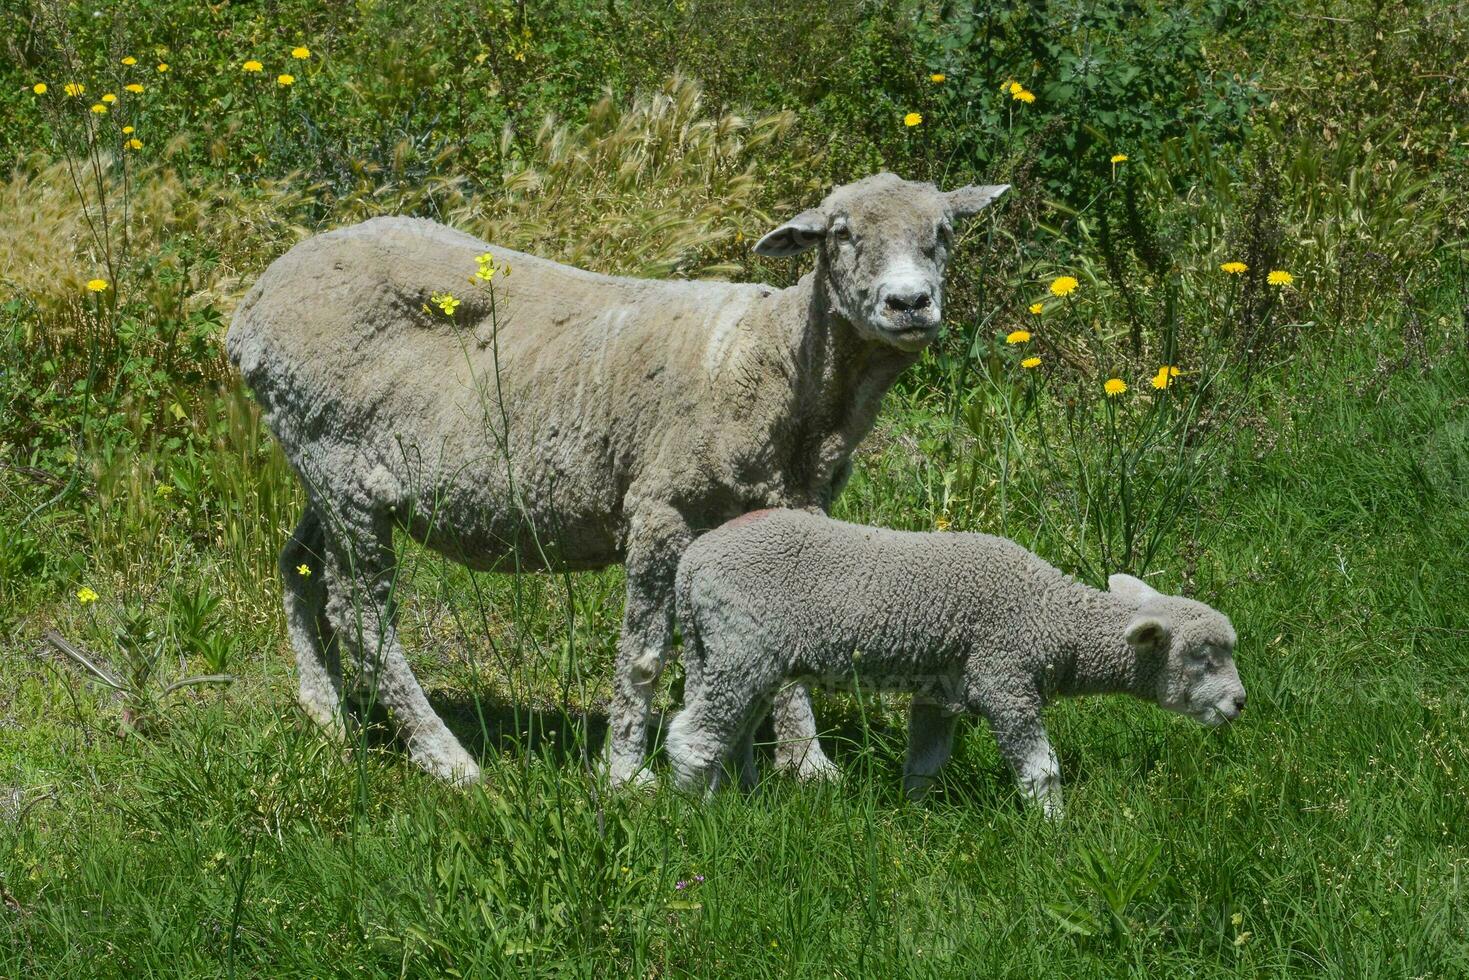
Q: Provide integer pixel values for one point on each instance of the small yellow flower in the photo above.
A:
(284, 80)
(73, 89)
(486, 270)
(301, 53)
(86, 595)
(1234, 268)
(1165, 375)
(99, 108)
(1279, 277)
(912, 119)
(1114, 387)
(445, 302)
(1012, 87)
(39, 88)
(1119, 158)
(162, 66)
(1063, 286)
(134, 144)
(1036, 308)
(941, 523)
(109, 98)
(126, 130)
(1237, 919)
(130, 61)
(133, 87)
(253, 66)
(1031, 362)
(519, 56)
(96, 285)
(938, 78)
(1017, 337)
(165, 490)
(1024, 95)
(303, 570)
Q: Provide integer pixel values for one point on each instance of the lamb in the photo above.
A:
(562, 419)
(967, 622)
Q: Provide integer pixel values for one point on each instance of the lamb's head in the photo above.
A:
(1191, 645)
(884, 244)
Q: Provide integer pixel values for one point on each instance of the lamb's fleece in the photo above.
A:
(968, 622)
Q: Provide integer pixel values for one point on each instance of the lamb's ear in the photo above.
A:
(1148, 634)
(794, 237)
(1131, 590)
(966, 202)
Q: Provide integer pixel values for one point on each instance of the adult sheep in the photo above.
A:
(587, 420)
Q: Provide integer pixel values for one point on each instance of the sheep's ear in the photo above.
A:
(966, 202)
(1148, 634)
(794, 237)
(1131, 590)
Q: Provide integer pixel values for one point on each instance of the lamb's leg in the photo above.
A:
(656, 539)
(930, 743)
(361, 569)
(318, 661)
(797, 748)
(1025, 745)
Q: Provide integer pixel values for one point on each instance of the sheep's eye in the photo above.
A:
(841, 233)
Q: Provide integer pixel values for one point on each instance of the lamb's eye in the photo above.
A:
(841, 233)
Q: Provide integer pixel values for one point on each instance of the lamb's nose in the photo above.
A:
(908, 302)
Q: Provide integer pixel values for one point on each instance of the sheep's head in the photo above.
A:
(884, 245)
(1192, 647)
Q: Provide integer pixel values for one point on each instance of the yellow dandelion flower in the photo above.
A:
(1114, 387)
(130, 61)
(109, 98)
(126, 130)
(1036, 308)
(912, 119)
(1024, 95)
(1012, 87)
(99, 108)
(134, 144)
(1279, 277)
(1119, 158)
(304, 571)
(941, 523)
(96, 285)
(73, 89)
(284, 80)
(1031, 362)
(39, 88)
(162, 66)
(301, 53)
(1063, 286)
(253, 66)
(445, 302)
(86, 595)
(1234, 268)
(938, 78)
(1017, 337)
(134, 88)
(1165, 375)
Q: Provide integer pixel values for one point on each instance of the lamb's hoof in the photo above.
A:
(326, 718)
(455, 768)
(628, 778)
(820, 770)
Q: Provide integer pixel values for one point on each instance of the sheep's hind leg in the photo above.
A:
(797, 748)
(318, 661)
(360, 605)
(711, 736)
(930, 743)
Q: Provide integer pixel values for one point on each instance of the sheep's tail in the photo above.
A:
(688, 623)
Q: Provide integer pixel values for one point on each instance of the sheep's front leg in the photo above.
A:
(1015, 719)
(930, 743)
(656, 539)
(797, 748)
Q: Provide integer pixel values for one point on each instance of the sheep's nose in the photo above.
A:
(909, 301)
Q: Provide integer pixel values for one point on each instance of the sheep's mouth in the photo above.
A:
(912, 333)
(1211, 717)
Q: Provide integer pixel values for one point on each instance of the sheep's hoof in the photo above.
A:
(455, 768)
(821, 770)
(625, 777)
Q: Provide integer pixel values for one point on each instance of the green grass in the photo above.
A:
(1330, 821)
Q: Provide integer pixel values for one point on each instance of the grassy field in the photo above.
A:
(1305, 472)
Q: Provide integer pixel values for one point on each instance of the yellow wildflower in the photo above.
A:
(109, 98)
(99, 108)
(73, 88)
(1017, 337)
(1234, 268)
(1024, 95)
(133, 87)
(912, 119)
(130, 61)
(284, 80)
(134, 144)
(1279, 277)
(1114, 387)
(1119, 158)
(941, 523)
(445, 302)
(301, 53)
(1012, 87)
(938, 78)
(253, 66)
(1036, 308)
(486, 270)
(39, 88)
(1063, 286)
(96, 285)
(126, 130)
(1165, 374)
(165, 490)
(86, 595)
(303, 570)
(162, 66)
(1031, 362)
